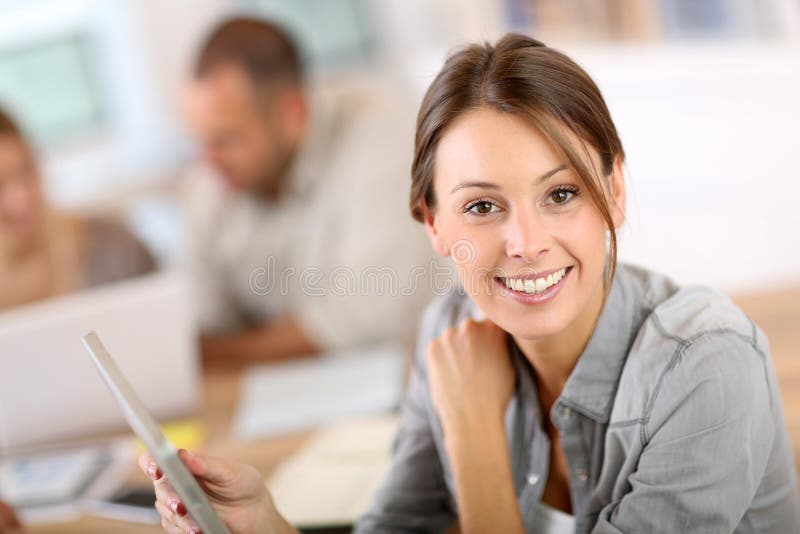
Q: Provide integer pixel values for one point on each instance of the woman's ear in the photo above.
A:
(618, 192)
(429, 219)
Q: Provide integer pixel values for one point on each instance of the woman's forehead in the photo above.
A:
(489, 145)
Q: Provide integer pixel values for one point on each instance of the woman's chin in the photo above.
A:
(527, 328)
(536, 333)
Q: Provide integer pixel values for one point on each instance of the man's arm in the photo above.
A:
(281, 339)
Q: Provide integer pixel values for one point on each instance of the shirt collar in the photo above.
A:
(592, 385)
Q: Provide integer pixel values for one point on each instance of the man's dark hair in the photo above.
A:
(264, 50)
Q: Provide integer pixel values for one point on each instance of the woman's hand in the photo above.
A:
(470, 375)
(8, 520)
(236, 491)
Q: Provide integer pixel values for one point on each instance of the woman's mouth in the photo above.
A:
(533, 290)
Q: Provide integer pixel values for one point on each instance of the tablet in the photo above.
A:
(164, 453)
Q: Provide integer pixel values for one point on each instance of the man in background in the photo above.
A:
(301, 238)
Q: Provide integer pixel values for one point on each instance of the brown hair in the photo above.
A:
(520, 75)
(264, 50)
(8, 126)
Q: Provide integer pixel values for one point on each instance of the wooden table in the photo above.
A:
(776, 312)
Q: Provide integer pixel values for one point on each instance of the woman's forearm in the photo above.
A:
(486, 498)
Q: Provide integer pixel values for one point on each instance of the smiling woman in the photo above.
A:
(556, 391)
(614, 392)
(501, 186)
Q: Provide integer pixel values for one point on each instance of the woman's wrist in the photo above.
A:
(479, 456)
(474, 420)
(464, 434)
(270, 521)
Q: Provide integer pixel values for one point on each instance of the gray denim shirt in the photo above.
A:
(670, 422)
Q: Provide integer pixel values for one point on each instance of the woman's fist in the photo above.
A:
(470, 374)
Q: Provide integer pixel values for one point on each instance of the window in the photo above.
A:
(50, 87)
(332, 33)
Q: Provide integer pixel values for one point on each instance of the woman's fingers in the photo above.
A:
(209, 468)
(174, 515)
(167, 496)
(206, 467)
(175, 523)
(172, 510)
(149, 467)
(164, 492)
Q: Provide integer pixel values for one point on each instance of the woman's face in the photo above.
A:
(529, 245)
(20, 194)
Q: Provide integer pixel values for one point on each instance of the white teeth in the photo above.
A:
(530, 286)
(535, 286)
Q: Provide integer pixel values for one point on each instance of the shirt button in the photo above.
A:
(566, 413)
(533, 478)
(582, 475)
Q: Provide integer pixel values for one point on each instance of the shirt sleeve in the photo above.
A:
(706, 442)
(414, 496)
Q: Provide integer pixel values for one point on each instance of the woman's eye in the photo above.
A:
(482, 207)
(561, 196)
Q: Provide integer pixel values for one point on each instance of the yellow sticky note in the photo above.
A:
(184, 434)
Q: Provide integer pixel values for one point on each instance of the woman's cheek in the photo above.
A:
(586, 238)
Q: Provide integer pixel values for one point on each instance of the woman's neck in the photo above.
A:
(48, 264)
(554, 357)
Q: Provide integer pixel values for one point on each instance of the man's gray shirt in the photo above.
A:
(670, 422)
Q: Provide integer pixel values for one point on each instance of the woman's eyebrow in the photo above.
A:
(492, 185)
(546, 176)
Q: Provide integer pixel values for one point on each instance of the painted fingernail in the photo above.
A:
(194, 530)
(177, 507)
(154, 472)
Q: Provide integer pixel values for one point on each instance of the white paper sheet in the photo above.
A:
(332, 480)
(277, 399)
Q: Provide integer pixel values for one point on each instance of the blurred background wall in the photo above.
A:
(704, 95)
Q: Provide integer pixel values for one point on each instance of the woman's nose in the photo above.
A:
(526, 238)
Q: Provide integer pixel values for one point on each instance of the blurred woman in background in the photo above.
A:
(45, 252)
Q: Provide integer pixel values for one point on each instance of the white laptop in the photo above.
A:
(49, 392)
